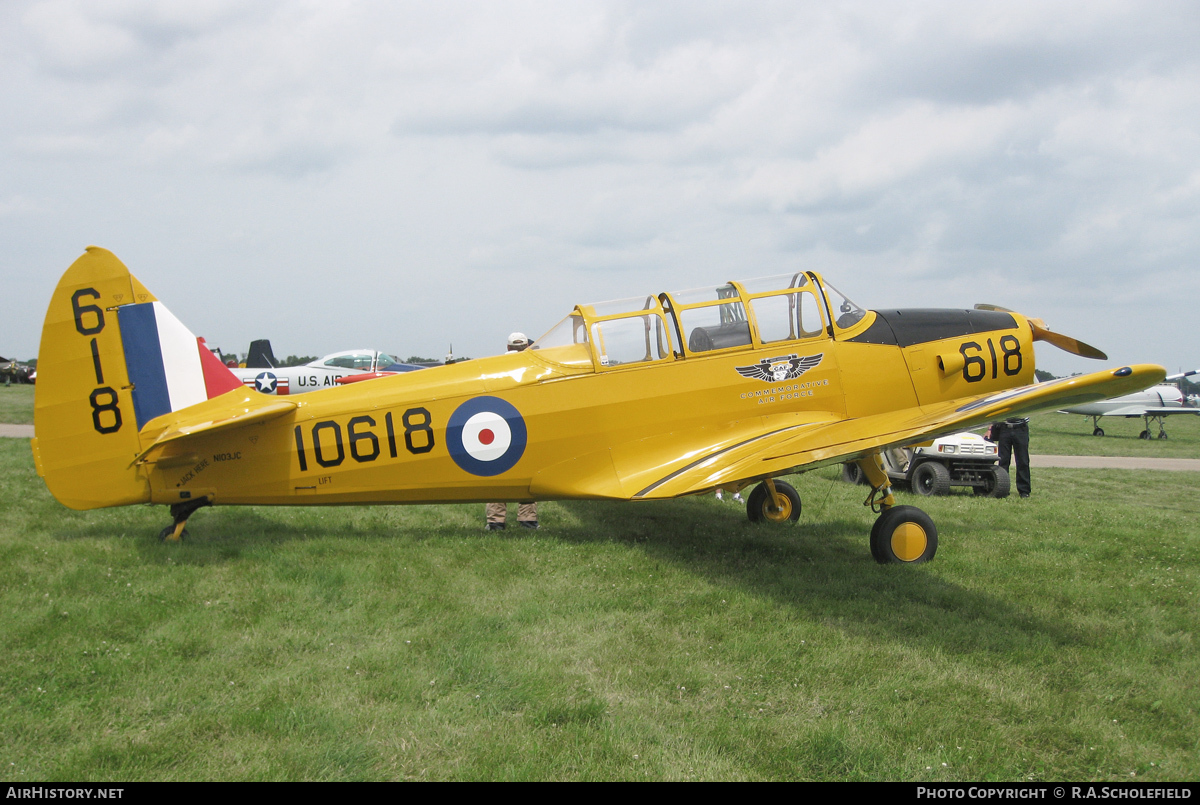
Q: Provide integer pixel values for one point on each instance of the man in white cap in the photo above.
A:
(497, 513)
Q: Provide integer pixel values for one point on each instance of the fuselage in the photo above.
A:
(322, 373)
(618, 394)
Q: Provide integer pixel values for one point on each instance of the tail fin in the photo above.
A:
(260, 355)
(112, 358)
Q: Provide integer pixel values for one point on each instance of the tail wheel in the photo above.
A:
(931, 478)
(996, 483)
(903, 535)
(168, 534)
(761, 509)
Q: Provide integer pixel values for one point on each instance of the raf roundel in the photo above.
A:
(486, 436)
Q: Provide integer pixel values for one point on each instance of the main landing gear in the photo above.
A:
(1146, 434)
(180, 512)
(773, 502)
(901, 534)
(1162, 431)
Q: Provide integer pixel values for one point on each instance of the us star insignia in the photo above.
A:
(265, 382)
(784, 367)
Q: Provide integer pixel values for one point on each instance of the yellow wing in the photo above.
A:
(777, 449)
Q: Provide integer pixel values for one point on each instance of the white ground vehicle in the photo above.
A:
(960, 459)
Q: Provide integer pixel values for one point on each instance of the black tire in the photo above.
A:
(996, 483)
(851, 474)
(903, 535)
(1162, 434)
(931, 478)
(1144, 435)
(759, 507)
(1098, 432)
(164, 535)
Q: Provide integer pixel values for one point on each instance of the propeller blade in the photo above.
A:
(1064, 342)
(1043, 333)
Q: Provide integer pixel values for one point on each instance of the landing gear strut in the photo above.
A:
(180, 512)
(901, 534)
(1162, 430)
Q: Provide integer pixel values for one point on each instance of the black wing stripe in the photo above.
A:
(700, 461)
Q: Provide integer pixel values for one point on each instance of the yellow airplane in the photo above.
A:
(647, 398)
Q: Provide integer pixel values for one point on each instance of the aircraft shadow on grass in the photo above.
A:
(813, 569)
(817, 570)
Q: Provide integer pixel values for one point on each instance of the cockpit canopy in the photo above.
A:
(736, 315)
(364, 360)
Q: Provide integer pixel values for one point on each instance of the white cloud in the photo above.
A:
(507, 160)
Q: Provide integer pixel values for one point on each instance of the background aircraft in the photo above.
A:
(1155, 403)
(654, 397)
(13, 371)
(264, 374)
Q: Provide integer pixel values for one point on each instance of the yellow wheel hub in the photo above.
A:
(909, 542)
(781, 514)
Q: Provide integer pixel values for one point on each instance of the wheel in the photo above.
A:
(996, 483)
(1144, 434)
(165, 534)
(931, 478)
(759, 507)
(1162, 434)
(903, 535)
(851, 474)
(1098, 432)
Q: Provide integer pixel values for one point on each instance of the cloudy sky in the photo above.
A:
(406, 175)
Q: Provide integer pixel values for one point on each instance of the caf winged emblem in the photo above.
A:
(781, 368)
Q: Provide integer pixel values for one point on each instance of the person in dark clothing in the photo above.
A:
(1012, 439)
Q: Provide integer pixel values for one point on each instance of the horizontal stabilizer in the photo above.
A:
(232, 410)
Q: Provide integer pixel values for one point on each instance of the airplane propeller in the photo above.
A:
(1043, 333)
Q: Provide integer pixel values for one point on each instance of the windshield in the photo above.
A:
(568, 331)
(565, 343)
(845, 313)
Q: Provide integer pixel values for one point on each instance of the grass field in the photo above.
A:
(1052, 639)
(1071, 435)
(16, 404)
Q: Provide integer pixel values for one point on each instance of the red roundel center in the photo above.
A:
(486, 436)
